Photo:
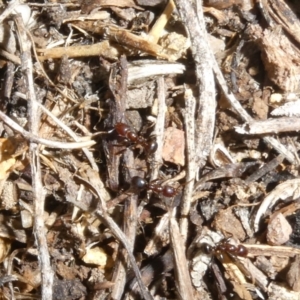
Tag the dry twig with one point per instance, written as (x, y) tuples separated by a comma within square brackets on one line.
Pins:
[(184, 284), (193, 18), (36, 139), (191, 164), (37, 187), (270, 126)]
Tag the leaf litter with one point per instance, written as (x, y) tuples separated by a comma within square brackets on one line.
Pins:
[(149, 150)]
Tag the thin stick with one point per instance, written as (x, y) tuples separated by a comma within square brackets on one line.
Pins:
[(159, 127), (183, 278), (102, 214), (35, 139), (129, 229), (104, 49), (189, 113), (37, 188), (270, 126), (205, 114)]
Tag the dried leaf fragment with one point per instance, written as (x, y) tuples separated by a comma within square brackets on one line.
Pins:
[(174, 45), (9, 149), (219, 155)]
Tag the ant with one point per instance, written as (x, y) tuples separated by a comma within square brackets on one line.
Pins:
[(225, 246), (131, 137), (138, 183)]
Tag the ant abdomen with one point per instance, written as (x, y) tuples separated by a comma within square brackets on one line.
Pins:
[(151, 146), (122, 129), (138, 183)]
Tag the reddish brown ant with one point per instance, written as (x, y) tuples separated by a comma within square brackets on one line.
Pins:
[(225, 246), (131, 137), (140, 184)]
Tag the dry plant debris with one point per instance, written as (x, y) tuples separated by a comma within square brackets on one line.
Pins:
[(150, 149)]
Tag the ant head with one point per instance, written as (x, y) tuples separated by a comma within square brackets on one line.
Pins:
[(207, 249), (220, 255)]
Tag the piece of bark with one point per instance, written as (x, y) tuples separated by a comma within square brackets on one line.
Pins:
[(280, 57), (266, 266), (283, 14), (293, 275), (227, 223)]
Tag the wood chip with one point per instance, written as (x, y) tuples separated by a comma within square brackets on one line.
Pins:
[(174, 145)]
